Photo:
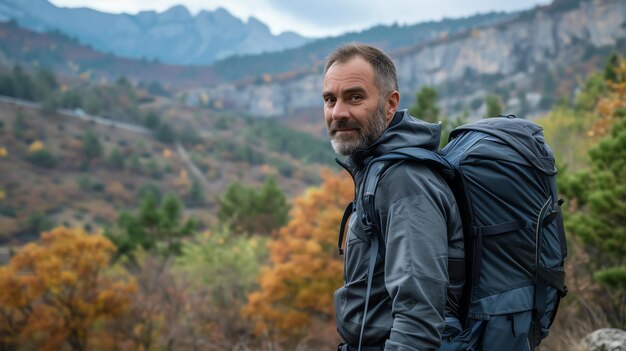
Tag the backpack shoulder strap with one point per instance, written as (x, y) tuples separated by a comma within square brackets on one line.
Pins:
[(366, 210), (365, 206)]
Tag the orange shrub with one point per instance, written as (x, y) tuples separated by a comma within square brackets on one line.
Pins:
[(296, 288)]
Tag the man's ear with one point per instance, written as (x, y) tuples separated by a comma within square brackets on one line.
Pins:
[(391, 105)]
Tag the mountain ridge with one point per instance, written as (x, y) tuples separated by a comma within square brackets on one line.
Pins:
[(173, 36)]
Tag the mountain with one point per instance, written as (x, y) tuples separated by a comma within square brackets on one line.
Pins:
[(69, 58), (529, 61), (173, 36)]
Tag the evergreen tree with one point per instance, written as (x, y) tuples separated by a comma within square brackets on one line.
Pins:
[(91, 145), (152, 120), (588, 97), (6, 85), (23, 85), (43, 159), (274, 208), (46, 84), (165, 133), (156, 229), (116, 159), (92, 104), (246, 210), (610, 68), (601, 223), (494, 107), (524, 107), (196, 194), (38, 222), (425, 106), (71, 99)]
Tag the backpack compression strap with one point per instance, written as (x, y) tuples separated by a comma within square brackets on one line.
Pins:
[(546, 276)]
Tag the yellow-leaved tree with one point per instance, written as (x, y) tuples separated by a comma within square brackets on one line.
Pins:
[(612, 105), (296, 287), (54, 293)]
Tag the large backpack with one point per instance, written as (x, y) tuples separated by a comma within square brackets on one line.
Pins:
[(503, 176)]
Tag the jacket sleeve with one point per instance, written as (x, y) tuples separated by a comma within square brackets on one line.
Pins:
[(413, 211)]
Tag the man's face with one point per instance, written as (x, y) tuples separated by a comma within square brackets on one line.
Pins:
[(353, 109)]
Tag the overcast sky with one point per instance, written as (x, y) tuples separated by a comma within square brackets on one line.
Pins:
[(317, 18)]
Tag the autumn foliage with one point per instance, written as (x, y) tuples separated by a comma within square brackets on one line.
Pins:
[(54, 293), (613, 101), (296, 288)]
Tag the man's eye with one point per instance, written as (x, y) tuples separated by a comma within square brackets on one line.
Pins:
[(329, 100), (356, 97)]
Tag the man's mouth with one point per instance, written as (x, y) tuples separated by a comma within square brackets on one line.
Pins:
[(345, 130), (340, 131)]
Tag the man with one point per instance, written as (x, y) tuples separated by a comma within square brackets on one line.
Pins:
[(411, 293)]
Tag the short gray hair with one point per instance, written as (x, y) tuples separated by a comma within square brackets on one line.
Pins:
[(385, 76)]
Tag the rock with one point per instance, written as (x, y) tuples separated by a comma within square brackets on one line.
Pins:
[(606, 339)]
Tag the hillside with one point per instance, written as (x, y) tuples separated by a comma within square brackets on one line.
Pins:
[(65, 167)]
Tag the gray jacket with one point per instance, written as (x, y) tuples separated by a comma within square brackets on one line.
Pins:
[(411, 292)]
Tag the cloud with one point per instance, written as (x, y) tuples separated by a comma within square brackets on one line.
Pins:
[(321, 17), (326, 13), (330, 17)]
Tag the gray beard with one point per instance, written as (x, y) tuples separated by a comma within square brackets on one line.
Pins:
[(346, 145)]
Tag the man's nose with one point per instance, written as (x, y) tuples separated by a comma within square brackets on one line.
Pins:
[(340, 110)]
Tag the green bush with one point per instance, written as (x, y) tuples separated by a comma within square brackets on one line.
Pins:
[(248, 210), (98, 187), (39, 222), (220, 259), (84, 182), (91, 145), (43, 159), (116, 159), (152, 120), (165, 133)]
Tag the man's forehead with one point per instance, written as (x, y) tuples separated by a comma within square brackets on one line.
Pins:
[(353, 72), (354, 63)]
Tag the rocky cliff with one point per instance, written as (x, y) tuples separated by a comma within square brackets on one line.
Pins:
[(515, 55)]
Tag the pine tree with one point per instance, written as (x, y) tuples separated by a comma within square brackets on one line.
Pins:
[(91, 145), (156, 229), (425, 106), (247, 210), (116, 159), (611, 68), (494, 107), (600, 192), (196, 194)]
